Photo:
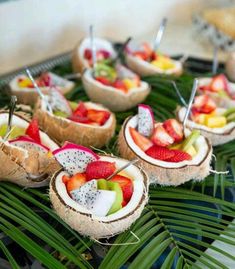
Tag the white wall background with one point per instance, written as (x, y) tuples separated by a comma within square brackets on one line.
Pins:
[(33, 30)]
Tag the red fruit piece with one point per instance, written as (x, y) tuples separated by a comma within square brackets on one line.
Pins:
[(174, 129), (120, 85), (87, 54), (80, 119), (179, 156), (141, 54), (105, 54), (44, 80), (204, 104), (104, 81), (160, 153), (33, 131), (219, 83), (75, 182), (160, 136), (98, 116), (126, 185), (141, 141), (99, 169), (65, 179), (81, 110)]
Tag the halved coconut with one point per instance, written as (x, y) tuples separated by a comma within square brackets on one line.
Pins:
[(79, 62), (217, 136), (81, 220), (144, 68), (29, 96), (111, 97), (161, 172), (221, 101), (23, 166), (62, 129)]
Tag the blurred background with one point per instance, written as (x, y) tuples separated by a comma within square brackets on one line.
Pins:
[(34, 30)]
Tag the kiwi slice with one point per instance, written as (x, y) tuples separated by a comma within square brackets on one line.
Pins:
[(188, 142), (229, 111), (73, 105), (60, 114), (102, 184), (16, 131), (108, 72), (231, 117)]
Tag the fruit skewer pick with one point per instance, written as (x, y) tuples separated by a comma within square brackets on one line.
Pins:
[(179, 94), (42, 96), (159, 35), (122, 168), (93, 49), (194, 89), (215, 61), (11, 112)]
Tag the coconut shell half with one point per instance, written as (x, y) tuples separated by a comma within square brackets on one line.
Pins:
[(114, 99), (29, 96), (79, 62), (62, 129), (161, 172), (24, 166), (221, 101), (144, 68), (217, 136), (100, 227)]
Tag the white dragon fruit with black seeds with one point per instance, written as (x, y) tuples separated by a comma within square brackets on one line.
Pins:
[(74, 158), (27, 143), (145, 120)]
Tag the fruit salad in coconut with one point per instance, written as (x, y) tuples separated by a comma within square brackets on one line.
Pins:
[(219, 89), (84, 123), (214, 122), (26, 154), (115, 86), (143, 60), (82, 54), (169, 154), (23, 88), (93, 201)]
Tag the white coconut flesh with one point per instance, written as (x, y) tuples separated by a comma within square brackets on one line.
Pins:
[(228, 128), (90, 79), (22, 123), (200, 144), (60, 82), (176, 69), (139, 189), (89, 105), (100, 44)]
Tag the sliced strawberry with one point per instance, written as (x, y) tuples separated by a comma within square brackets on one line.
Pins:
[(126, 184), (87, 54), (205, 88), (119, 84), (44, 80), (141, 54), (104, 81), (160, 136), (160, 153), (98, 116), (105, 54), (81, 110), (179, 156), (174, 129), (219, 83), (99, 169), (80, 119), (33, 131), (204, 104), (141, 141), (75, 182), (124, 203)]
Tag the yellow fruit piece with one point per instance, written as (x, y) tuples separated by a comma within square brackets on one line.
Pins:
[(216, 122), (49, 154), (201, 119), (191, 151), (25, 83), (129, 83), (163, 62), (175, 146)]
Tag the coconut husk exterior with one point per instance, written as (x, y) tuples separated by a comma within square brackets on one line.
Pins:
[(112, 98), (166, 175), (66, 130), (88, 226), (214, 138), (145, 70)]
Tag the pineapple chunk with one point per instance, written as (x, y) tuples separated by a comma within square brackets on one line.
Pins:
[(163, 62), (129, 83), (216, 122)]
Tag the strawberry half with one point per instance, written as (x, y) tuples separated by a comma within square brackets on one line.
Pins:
[(99, 169), (33, 131), (81, 110), (174, 129), (141, 141), (104, 81), (204, 104), (161, 137), (160, 153), (80, 119), (98, 116), (179, 156), (126, 185), (120, 85), (75, 182), (87, 54), (219, 83)]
